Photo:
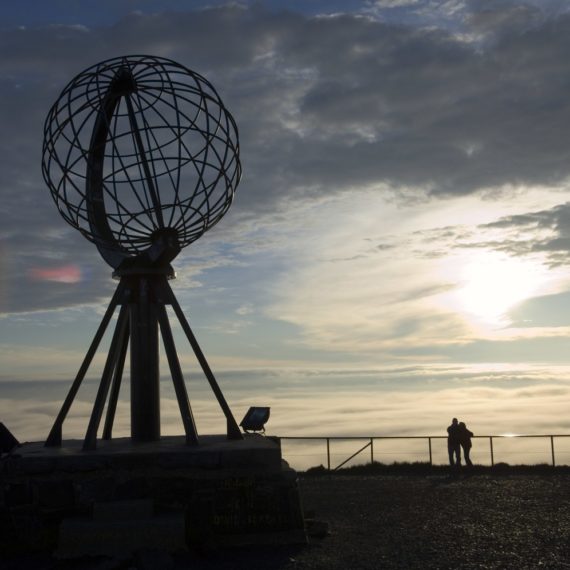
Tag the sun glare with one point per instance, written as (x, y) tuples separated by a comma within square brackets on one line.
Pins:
[(492, 283)]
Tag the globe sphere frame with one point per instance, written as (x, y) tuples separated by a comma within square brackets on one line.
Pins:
[(136, 147)]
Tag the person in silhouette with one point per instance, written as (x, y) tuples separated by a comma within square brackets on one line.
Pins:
[(465, 440), (454, 443)]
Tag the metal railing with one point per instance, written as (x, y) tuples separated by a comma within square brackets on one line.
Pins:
[(428, 438)]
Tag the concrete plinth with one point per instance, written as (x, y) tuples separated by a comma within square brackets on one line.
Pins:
[(170, 452), (220, 493)]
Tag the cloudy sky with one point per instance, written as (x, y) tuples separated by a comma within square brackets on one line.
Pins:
[(398, 250)]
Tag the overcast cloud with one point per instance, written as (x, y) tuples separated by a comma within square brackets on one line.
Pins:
[(324, 105), (404, 197)]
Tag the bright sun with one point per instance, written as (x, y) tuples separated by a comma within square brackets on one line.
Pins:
[(492, 283)]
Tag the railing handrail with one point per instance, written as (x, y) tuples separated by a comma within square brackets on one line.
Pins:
[(371, 438), (509, 436)]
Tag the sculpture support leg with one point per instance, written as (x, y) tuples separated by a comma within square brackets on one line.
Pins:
[(177, 378), (232, 427), (90, 441), (116, 386), (54, 437), (143, 299), (145, 398)]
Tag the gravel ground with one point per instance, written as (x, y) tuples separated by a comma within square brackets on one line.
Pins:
[(408, 521), (440, 522)]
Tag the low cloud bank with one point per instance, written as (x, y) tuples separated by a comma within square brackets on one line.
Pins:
[(402, 401)]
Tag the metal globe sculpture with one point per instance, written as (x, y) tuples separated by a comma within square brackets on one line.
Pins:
[(138, 149), (141, 156)]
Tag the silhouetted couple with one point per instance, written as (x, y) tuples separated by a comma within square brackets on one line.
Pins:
[(458, 437)]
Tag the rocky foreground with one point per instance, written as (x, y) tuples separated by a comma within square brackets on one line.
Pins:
[(480, 521), (383, 521)]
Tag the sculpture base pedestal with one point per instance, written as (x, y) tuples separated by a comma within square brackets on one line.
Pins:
[(163, 495)]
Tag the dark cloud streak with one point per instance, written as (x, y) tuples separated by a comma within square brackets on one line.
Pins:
[(554, 221)]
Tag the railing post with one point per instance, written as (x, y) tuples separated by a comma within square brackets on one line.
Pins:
[(430, 454), (328, 454), (492, 455), (552, 449), (371, 451)]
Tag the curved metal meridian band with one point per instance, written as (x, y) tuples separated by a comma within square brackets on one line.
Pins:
[(113, 254)]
